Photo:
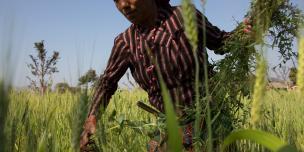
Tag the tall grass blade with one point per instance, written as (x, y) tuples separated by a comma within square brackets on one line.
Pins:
[(259, 91), (268, 140), (78, 116), (42, 145), (174, 136), (4, 103), (191, 31)]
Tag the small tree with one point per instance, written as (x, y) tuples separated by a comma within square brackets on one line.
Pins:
[(89, 77), (293, 75), (41, 67), (62, 87)]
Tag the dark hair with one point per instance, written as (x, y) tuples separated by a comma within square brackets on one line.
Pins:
[(162, 3)]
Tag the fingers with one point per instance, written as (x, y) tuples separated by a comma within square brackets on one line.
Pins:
[(247, 30), (84, 141), (89, 129), (248, 27), (91, 124), (247, 21)]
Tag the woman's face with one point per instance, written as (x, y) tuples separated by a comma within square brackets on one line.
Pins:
[(136, 11)]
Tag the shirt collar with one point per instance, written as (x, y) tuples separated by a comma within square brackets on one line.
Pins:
[(162, 14)]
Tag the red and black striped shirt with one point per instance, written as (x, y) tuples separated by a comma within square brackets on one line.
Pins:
[(173, 53)]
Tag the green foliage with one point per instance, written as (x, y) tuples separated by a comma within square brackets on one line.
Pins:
[(77, 116), (285, 22), (273, 21), (268, 140), (62, 87)]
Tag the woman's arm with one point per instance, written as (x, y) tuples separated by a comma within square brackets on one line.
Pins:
[(107, 85), (214, 36)]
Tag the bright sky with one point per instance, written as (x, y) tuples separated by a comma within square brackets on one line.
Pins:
[(83, 31)]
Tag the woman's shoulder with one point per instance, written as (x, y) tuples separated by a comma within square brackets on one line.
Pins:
[(171, 11), (126, 34), (172, 18)]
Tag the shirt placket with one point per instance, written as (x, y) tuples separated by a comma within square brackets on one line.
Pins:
[(150, 69)]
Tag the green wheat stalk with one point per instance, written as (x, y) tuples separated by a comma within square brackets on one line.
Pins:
[(174, 137), (78, 116), (263, 10), (259, 91), (191, 30), (300, 73), (189, 17)]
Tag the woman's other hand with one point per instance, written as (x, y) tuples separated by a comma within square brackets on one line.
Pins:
[(247, 25), (89, 129)]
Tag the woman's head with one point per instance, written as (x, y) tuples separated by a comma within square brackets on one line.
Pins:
[(139, 11)]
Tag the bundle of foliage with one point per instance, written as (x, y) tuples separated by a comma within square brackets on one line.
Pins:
[(275, 24)]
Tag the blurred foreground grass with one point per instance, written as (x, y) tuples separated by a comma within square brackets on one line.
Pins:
[(46, 123)]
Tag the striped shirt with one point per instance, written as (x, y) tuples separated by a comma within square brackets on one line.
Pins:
[(173, 53)]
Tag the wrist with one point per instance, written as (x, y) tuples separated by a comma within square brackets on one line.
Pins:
[(91, 119), (90, 124)]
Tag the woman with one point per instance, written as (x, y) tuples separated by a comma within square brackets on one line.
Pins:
[(156, 32)]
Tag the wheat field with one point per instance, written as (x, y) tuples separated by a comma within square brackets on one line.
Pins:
[(52, 122)]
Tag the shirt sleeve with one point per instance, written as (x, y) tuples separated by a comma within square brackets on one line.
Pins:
[(214, 36), (107, 84)]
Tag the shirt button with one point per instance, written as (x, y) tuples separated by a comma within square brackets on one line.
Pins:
[(152, 37), (150, 82), (150, 69), (141, 56), (138, 47), (137, 38)]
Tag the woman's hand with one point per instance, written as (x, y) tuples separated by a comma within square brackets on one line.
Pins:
[(248, 25), (89, 129)]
